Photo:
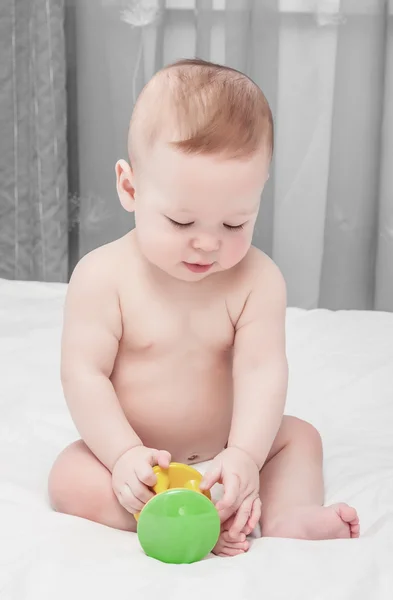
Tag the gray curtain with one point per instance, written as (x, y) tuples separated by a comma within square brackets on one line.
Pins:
[(33, 153), (326, 68)]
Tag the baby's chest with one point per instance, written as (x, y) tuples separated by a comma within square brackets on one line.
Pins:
[(165, 325)]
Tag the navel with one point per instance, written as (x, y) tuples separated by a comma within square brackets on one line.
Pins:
[(193, 457)]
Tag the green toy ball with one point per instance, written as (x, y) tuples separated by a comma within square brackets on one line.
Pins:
[(178, 526)]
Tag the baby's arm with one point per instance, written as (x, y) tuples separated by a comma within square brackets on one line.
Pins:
[(260, 375), (260, 371), (91, 334)]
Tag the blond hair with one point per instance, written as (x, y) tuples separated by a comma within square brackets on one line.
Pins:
[(200, 107)]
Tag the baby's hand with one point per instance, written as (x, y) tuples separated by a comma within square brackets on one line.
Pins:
[(239, 475), (133, 476)]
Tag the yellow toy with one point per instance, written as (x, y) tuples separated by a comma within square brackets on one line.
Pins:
[(177, 476), (179, 524)]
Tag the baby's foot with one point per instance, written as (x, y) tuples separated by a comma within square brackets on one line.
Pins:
[(316, 523), (226, 545)]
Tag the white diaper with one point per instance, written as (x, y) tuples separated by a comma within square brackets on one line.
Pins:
[(217, 492)]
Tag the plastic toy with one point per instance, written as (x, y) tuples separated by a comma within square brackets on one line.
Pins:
[(180, 524)]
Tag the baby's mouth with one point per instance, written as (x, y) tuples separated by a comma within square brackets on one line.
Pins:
[(197, 267)]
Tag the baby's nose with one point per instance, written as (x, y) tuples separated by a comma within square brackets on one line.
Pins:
[(206, 243)]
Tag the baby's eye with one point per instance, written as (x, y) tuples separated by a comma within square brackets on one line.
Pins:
[(234, 227), (180, 225)]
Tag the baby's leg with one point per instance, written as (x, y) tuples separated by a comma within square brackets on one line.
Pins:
[(292, 490), (80, 485)]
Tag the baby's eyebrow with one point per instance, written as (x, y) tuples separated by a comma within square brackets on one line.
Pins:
[(242, 213), (182, 211), (246, 213)]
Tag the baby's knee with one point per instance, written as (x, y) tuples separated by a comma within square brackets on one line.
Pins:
[(302, 432), (77, 486), (64, 484)]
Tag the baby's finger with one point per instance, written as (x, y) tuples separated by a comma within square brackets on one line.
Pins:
[(128, 500), (163, 459), (226, 525), (145, 474), (210, 478), (231, 494), (255, 515), (225, 514), (242, 517), (141, 491), (159, 457)]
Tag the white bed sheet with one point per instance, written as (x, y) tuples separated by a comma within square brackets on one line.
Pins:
[(341, 367)]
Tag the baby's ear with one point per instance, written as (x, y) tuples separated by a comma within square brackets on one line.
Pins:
[(124, 185)]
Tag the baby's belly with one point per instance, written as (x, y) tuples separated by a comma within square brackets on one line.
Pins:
[(184, 408)]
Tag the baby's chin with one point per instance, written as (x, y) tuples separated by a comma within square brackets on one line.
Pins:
[(181, 272), (184, 274)]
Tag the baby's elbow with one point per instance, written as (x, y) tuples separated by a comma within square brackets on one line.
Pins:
[(276, 375), (280, 369), (74, 374), (284, 370), (65, 373), (68, 378)]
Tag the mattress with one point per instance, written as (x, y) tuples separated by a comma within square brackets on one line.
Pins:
[(341, 380)]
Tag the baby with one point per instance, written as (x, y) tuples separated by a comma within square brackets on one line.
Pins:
[(174, 336)]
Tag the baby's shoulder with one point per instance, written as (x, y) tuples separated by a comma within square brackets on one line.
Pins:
[(104, 262), (99, 272), (258, 270), (256, 277)]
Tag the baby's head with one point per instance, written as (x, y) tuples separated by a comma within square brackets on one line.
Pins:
[(200, 145)]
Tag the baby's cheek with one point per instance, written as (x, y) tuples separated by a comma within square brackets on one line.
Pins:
[(150, 240), (235, 250), (164, 249)]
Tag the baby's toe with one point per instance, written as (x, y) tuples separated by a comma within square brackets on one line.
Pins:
[(230, 540), (349, 515), (226, 546), (346, 513), (230, 551), (243, 546), (355, 528)]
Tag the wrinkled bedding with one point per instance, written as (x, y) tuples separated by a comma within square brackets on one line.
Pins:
[(341, 379)]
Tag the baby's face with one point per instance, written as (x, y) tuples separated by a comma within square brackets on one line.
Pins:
[(195, 214)]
